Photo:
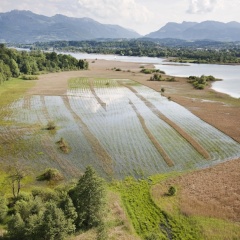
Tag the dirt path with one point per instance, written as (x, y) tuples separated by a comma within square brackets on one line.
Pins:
[(217, 109)]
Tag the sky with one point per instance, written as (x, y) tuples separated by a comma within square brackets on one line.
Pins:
[(143, 16)]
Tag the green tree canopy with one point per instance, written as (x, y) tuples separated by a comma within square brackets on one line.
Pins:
[(89, 199)]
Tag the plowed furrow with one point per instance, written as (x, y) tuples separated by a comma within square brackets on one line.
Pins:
[(166, 158), (185, 135), (103, 104), (106, 160)]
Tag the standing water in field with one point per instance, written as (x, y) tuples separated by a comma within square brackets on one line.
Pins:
[(119, 127)]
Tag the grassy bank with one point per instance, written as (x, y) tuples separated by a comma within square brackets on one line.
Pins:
[(11, 91), (157, 215)]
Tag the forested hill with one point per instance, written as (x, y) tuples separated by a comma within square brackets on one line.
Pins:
[(211, 30), (26, 27)]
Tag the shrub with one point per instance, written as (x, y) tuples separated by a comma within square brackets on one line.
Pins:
[(171, 79), (162, 90), (51, 125), (171, 191), (156, 77), (147, 71), (24, 77), (50, 174), (63, 145)]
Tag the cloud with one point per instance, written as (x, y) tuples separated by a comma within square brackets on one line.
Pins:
[(202, 6), (115, 9)]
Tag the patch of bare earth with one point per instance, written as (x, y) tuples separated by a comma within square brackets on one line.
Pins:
[(211, 192)]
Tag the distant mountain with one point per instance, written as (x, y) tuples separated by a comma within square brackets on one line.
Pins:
[(27, 27), (211, 30)]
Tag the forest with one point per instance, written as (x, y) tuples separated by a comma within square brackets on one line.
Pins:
[(179, 50), (14, 63), (45, 213)]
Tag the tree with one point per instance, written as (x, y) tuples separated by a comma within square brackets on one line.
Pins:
[(3, 208), (89, 199), (16, 173), (16, 227), (35, 219), (82, 64), (5, 72), (54, 225), (25, 66), (14, 68)]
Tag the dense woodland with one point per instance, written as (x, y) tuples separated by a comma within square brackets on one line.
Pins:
[(14, 63), (51, 214), (180, 50)]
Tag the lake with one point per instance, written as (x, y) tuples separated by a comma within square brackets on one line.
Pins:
[(230, 74)]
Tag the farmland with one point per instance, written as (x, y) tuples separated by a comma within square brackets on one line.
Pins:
[(119, 126), (128, 130)]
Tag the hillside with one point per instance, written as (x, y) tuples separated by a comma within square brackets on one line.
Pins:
[(211, 30), (26, 27)]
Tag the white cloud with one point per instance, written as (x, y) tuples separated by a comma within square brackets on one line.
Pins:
[(202, 6), (116, 10)]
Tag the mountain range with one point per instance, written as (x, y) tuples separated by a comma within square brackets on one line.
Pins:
[(27, 27), (210, 30)]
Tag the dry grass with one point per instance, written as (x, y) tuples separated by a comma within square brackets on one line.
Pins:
[(89, 235), (117, 224), (212, 192), (120, 227)]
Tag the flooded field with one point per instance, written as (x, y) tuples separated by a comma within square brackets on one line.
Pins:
[(118, 126)]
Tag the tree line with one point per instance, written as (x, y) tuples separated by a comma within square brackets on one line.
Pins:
[(14, 63), (197, 52), (54, 214)]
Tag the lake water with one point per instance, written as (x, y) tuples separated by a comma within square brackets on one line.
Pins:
[(229, 74)]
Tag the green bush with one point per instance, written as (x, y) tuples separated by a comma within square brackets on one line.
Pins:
[(172, 191), (24, 77)]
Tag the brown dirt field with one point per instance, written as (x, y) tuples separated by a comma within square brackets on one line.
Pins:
[(217, 109), (211, 192)]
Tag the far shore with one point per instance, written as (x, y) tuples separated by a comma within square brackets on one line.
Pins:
[(215, 108)]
